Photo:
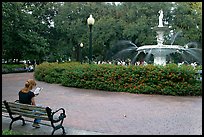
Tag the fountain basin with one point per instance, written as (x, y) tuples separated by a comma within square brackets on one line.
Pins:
[(160, 51)]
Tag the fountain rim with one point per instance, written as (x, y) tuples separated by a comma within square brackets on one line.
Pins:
[(160, 47)]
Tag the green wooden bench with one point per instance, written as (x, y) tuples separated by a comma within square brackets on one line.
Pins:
[(17, 111)]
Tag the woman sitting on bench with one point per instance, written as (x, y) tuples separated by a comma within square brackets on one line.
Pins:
[(26, 96)]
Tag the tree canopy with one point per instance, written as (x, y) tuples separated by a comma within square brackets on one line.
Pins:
[(53, 30)]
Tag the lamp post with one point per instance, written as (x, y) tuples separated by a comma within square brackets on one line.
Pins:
[(81, 46), (73, 52), (90, 22)]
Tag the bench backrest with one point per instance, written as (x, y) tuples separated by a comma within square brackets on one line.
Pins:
[(26, 110)]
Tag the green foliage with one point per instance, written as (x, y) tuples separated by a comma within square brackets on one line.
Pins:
[(27, 32), (150, 79), (50, 72), (13, 68), (24, 34), (187, 18)]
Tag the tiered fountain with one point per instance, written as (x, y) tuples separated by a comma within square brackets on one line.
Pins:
[(160, 51)]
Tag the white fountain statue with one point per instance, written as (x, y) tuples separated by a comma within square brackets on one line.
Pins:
[(161, 18)]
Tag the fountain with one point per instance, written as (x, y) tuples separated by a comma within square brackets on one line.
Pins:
[(161, 51)]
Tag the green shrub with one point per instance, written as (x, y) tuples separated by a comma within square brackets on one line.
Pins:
[(12, 68), (149, 79)]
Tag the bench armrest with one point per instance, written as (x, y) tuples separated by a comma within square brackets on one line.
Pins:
[(51, 114)]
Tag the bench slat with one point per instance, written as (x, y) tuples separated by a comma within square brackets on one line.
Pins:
[(43, 110), (31, 115), (29, 111), (23, 105), (26, 106), (4, 110)]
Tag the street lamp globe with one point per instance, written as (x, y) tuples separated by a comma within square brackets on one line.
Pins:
[(81, 45), (90, 20)]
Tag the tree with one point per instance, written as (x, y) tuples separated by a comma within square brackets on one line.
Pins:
[(52, 30), (24, 31), (187, 19)]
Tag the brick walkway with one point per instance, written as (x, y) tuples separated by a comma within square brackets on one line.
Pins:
[(115, 113)]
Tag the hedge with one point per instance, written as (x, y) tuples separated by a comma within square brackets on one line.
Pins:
[(13, 68), (150, 79)]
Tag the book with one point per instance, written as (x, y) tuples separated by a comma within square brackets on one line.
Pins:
[(37, 91)]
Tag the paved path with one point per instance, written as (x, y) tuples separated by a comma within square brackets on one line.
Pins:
[(112, 112)]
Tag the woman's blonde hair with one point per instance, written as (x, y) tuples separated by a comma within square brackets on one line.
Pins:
[(30, 83)]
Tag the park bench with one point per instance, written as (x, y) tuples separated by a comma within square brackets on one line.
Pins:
[(17, 110)]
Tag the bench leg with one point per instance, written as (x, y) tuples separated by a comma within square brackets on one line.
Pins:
[(53, 131), (15, 119), (10, 126), (63, 131), (58, 127), (23, 121)]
